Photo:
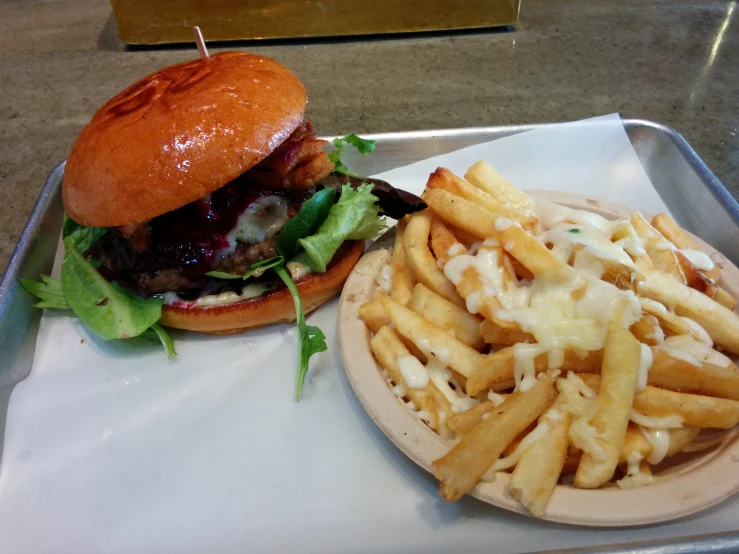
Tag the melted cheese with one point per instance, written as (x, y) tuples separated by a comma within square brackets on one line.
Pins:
[(496, 399), (415, 375), (298, 270), (261, 220), (698, 259), (385, 278), (687, 348), (441, 377), (656, 422), (645, 363), (524, 370), (213, 300), (634, 476), (659, 440)]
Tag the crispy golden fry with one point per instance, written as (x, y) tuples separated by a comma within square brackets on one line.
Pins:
[(621, 356), (618, 274), (422, 262), (461, 468), (526, 248), (450, 317), (694, 277), (634, 441), (498, 373), (464, 237), (444, 179), (428, 336), (720, 323), (538, 471), (658, 248), (724, 298), (387, 348), (505, 336), (403, 281), (484, 177), (676, 374), (671, 323), (374, 315), (647, 330), (519, 270), (695, 410), (677, 236), (464, 422), (443, 242)]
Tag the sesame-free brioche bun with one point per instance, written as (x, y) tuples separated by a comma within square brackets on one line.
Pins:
[(272, 307), (178, 135)]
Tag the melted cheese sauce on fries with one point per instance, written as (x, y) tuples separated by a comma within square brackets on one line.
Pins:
[(529, 332)]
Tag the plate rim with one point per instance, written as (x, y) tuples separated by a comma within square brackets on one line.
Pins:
[(612, 507)]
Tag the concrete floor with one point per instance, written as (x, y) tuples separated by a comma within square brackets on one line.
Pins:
[(667, 60)]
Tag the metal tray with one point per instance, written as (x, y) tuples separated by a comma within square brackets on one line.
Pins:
[(690, 190)]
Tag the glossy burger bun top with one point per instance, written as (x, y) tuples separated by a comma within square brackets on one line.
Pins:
[(178, 135)]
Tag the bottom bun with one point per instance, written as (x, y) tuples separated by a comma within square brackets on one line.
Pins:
[(273, 307)]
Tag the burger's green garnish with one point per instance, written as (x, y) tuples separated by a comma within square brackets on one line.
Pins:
[(310, 217), (355, 216), (574, 230), (364, 146), (105, 308)]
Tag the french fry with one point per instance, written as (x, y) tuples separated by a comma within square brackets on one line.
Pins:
[(621, 276), (537, 472), (695, 410), (634, 441), (443, 242), (677, 374), (461, 468), (724, 298), (647, 330), (464, 422), (694, 277), (720, 323), (464, 237), (658, 248), (421, 261), (672, 323), (450, 317), (677, 236), (621, 356), (387, 348), (501, 365), (506, 336), (403, 281), (374, 315), (444, 179), (484, 177), (523, 246), (428, 336)]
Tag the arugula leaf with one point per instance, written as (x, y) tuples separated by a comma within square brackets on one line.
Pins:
[(259, 266), (310, 217), (354, 217), (105, 308), (311, 339), (81, 237), (162, 336), (364, 146), (48, 290)]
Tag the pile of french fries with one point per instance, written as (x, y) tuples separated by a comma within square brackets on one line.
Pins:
[(550, 343)]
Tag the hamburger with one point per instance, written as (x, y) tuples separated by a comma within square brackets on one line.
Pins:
[(200, 198)]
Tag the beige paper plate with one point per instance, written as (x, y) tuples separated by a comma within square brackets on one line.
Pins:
[(683, 486)]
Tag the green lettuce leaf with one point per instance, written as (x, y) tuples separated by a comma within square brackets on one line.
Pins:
[(310, 217), (82, 238), (311, 339), (105, 308), (354, 217), (48, 290), (364, 146)]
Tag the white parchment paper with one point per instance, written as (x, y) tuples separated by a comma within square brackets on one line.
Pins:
[(110, 447)]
